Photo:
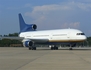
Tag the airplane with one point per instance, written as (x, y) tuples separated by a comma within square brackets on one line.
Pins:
[(31, 36)]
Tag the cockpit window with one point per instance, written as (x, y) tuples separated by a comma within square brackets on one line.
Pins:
[(80, 34)]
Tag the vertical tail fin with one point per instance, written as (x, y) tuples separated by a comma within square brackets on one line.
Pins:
[(26, 27), (21, 22)]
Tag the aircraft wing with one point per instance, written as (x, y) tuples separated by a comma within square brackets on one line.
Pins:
[(26, 39), (22, 38), (36, 40), (39, 40)]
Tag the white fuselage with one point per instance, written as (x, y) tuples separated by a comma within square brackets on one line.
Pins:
[(58, 35)]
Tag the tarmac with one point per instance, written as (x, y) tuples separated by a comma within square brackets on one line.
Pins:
[(44, 59)]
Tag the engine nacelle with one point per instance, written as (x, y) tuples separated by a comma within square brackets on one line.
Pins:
[(27, 43), (34, 27), (31, 27)]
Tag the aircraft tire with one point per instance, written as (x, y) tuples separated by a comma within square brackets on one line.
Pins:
[(52, 48), (56, 48), (34, 48), (29, 48), (70, 48)]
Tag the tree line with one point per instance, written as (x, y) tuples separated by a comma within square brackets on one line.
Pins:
[(10, 35), (89, 41), (8, 42)]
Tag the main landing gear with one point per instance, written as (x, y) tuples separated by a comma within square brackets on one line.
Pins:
[(70, 48), (54, 48), (32, 48)]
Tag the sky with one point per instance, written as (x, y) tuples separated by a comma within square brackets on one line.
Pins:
[(46, 14)]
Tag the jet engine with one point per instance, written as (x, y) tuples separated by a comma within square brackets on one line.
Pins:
[(33, 26), (27, 43)]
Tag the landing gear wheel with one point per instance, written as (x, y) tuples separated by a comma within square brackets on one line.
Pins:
[(54, 48), (70, 48), (29, 48), (32, 48)]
